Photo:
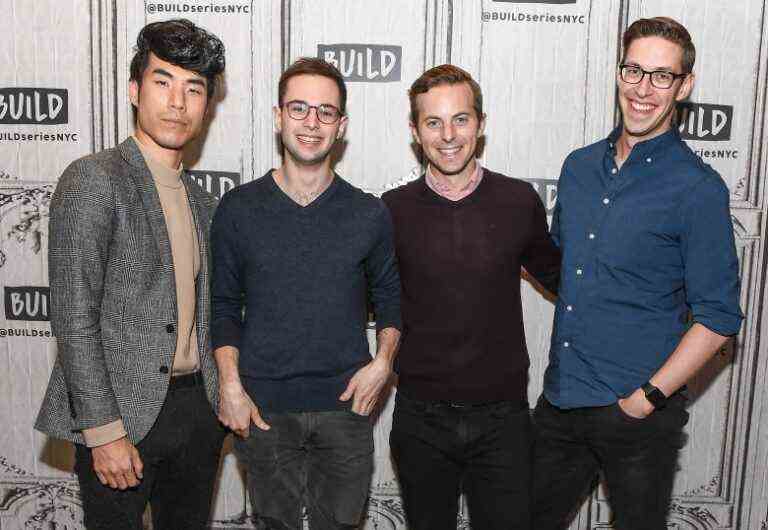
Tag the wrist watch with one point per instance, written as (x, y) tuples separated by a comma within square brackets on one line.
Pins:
[(655, 396)]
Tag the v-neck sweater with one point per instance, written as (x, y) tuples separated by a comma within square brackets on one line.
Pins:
[(459, 261), (303, 274)]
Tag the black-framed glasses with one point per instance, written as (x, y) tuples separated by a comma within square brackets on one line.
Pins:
[(299, 110), (633, 74)]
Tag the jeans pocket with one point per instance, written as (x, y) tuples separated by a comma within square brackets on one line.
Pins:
[(626, 417)]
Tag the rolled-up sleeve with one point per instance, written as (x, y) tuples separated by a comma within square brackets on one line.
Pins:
[(382, 274), (226, 283), (709, 253)]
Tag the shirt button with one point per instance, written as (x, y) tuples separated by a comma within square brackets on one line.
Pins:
[(566, 344), (163, 369), (170, 328), (569, 308), (579, 272), (591, 236), (614, 171), (648, 160), (606, 200)]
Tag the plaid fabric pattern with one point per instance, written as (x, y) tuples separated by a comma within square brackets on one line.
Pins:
[(113, 296)]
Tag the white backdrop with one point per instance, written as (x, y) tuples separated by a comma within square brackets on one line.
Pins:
[(547, 72)]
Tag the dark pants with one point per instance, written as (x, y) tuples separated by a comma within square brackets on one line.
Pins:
[(441, 450), (319, 460), (637, 457), (181, 458)]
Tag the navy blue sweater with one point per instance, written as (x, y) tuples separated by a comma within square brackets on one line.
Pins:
[(289, 289)]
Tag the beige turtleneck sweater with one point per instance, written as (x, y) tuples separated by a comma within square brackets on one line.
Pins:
[(186, 263)]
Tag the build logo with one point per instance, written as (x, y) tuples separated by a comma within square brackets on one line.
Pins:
[(704, 122), (216, 183), (34, 106), (27, 303), (367, 63)]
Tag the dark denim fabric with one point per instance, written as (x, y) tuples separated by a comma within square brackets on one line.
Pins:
[(319, 460), (181, 458), (441, 450), (637, 457)]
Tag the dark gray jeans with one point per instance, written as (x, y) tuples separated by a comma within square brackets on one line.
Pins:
[(319, 460)]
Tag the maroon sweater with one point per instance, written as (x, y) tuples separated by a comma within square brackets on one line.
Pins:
[(463, 337)]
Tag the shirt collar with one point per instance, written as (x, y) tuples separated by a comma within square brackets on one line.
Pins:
[(443, 187), (647, 148)]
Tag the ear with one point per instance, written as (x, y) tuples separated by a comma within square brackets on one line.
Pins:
[(686, 87), (481, 127), (133, 93), (278, 116), (343, 122), (414, 132)]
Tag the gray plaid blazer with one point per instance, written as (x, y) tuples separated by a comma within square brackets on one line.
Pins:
[(113, 296)]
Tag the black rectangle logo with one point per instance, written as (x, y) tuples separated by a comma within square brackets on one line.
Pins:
[(369, 63), (34, 106), (27, 303), (216, 183), (547, 190), (701, 121)]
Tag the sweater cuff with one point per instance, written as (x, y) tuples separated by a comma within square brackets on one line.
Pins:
[(389, 319), (104, 434), (226, 333)]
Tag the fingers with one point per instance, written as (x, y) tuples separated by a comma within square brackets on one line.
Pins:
[(257, 420), (137, 464), (350, 390), (117, 475), (118, 464)]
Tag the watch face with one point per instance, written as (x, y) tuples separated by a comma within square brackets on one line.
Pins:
[(654, 395)]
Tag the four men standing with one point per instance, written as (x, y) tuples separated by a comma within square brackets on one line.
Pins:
[(297, 254)]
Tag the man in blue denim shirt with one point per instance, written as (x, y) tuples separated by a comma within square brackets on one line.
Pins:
[(646, 237)]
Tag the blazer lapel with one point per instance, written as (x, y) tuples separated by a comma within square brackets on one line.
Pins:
[(201, 220), (147, 191)]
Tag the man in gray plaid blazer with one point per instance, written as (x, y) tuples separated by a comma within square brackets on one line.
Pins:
[(134, 385)]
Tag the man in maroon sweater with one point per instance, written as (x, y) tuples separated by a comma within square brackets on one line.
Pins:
[(462, 233)]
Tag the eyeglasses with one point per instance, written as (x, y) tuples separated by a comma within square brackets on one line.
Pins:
[(299, 110), (633, 75)]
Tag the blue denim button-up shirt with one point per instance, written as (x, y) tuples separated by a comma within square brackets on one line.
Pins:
[(642, 247)]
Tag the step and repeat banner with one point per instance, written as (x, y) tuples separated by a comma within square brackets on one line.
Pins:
[(547, 70)]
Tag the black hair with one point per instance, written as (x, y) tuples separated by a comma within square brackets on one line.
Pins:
[(181, 43)]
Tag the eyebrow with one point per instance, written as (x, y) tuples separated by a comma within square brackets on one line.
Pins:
[(654, 69), (192, 80)]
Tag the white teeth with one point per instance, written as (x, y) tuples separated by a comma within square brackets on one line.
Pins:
[(641, 107), (449, 150), (308, 139)]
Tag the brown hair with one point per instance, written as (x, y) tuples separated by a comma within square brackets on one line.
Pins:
[(312, 66), (445, 74), (666, 28)]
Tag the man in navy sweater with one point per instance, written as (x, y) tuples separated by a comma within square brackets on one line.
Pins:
[(462, 233), (296, 255)]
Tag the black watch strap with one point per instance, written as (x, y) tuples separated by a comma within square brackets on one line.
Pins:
[(655, 396)]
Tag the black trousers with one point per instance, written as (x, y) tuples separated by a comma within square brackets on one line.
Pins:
[(638, 458), (319, 460), (441, 450), (181, 458)]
